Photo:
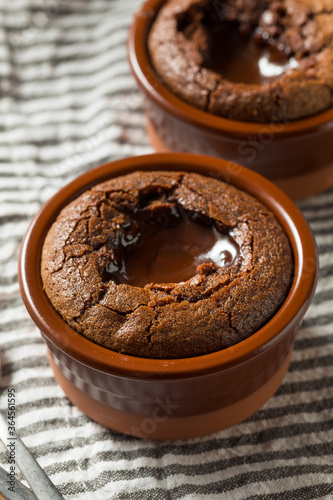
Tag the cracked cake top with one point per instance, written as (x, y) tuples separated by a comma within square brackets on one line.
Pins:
[(260, 61), (103, 252)]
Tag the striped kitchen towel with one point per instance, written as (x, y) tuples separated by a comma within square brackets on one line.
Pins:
[(68, 103)]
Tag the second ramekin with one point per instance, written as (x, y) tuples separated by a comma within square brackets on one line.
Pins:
[(297, 156)]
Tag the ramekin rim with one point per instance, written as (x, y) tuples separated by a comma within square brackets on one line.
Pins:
[(77, 346)]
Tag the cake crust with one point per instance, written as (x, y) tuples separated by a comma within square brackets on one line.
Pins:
[(180, 42), (216, 308)]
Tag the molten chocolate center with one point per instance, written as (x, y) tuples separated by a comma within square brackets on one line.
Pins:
[(243, 60), (172, 255)]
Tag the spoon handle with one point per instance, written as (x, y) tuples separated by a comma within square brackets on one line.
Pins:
[(21, 492), (39, 482)]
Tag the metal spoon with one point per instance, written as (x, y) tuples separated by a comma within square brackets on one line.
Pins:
[(40, 484)]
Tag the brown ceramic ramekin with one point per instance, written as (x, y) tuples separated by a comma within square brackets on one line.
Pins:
[(178, 398), (297, 156)]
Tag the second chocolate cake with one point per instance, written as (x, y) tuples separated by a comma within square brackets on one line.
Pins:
[(260, 61), (166, 264)]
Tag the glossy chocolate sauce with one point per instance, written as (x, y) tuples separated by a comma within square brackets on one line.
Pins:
[(243, 60), (172, 255)]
